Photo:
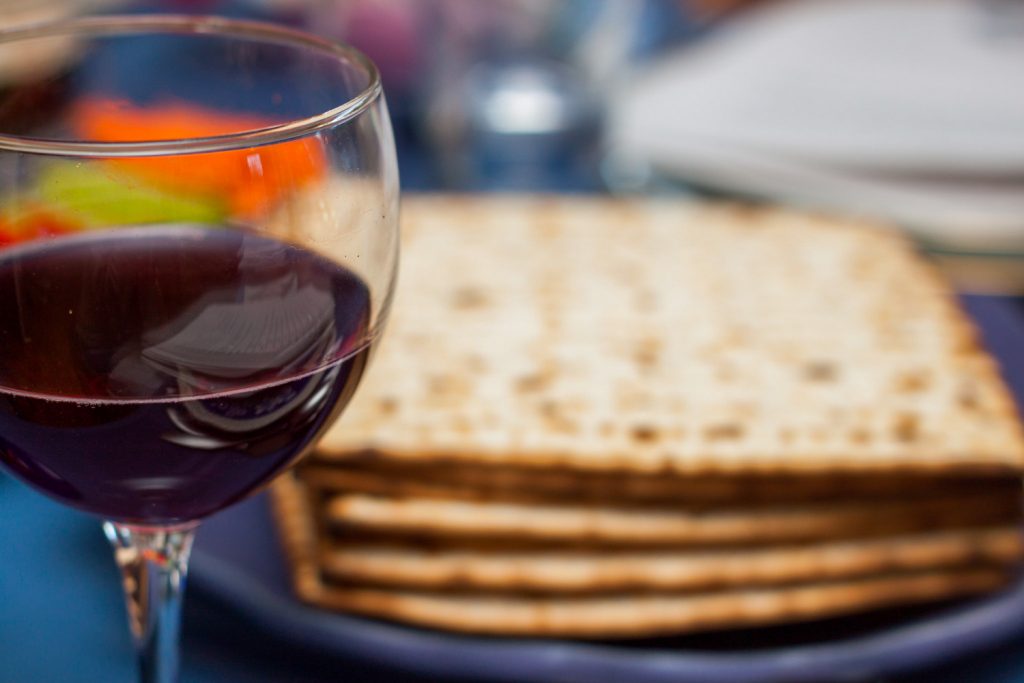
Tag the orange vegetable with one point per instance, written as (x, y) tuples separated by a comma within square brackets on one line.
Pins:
[(250, 180)]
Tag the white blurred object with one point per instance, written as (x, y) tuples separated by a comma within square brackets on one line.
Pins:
[(909, 110)]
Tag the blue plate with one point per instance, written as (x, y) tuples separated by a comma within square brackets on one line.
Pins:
[(238, 561)]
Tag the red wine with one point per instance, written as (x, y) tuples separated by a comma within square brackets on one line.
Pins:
[(155, 375)]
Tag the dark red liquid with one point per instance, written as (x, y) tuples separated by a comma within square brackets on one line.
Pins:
[(156, 375)]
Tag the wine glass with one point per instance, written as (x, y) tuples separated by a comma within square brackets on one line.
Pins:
[(198, 219)]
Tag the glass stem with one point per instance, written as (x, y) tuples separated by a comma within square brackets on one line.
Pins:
[(154, 564)]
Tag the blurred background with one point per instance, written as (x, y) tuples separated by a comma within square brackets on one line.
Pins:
[(904, 110), (907, 111)]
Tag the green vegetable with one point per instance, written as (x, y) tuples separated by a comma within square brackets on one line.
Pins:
[(98, 195)]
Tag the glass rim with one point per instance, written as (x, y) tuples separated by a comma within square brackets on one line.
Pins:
[(204, 25)]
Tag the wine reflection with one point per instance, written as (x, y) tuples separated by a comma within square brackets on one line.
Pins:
[(256, 422)]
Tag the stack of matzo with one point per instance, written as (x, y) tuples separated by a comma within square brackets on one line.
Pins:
[(600, 418)]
